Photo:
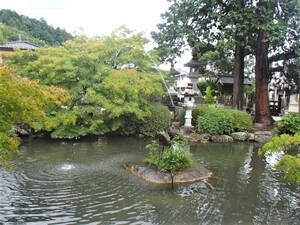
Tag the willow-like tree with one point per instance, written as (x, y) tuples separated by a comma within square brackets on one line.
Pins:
[(262, 28), (110, 80)]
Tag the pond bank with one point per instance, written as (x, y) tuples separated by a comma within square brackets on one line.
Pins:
[(260, 134)]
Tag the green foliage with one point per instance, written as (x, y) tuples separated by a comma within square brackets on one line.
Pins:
[(250, 93), (290, 122), (197, 111), (238, 120), (288, 163), (24, 102), (241, 120), (203, 84), (13, 34), (37, 31), (233, 25), (210, 97), (216, 121), (175, 158), (291, 167), (280, 143), (110, 80), (158, 120)]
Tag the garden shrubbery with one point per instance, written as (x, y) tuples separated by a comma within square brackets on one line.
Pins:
[(241, 120), (216, 121), (159, 120), (223, 121), (210, 119), (290, 123)]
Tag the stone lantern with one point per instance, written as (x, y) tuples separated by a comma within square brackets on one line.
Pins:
[(194, 75), (188, 104), (191, 92)]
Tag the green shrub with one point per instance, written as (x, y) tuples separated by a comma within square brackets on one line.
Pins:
[(216, 121), (241, 120), (203, 84), (290, 164), (209, 97), (159, 120), (290, 123), (175, 158), (197, 111)]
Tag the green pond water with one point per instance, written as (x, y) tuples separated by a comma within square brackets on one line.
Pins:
[(83, 182)]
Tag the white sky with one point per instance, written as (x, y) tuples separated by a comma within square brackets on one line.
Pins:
[(95, 17)]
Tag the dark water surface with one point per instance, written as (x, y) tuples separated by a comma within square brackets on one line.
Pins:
[(83, 182)]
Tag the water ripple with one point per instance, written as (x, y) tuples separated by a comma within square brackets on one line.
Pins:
[(84, 183)]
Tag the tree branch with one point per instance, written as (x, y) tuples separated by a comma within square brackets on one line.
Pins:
[(283, 56)]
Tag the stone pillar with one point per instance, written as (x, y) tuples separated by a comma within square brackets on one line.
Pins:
[(188, 114), (189, 104)]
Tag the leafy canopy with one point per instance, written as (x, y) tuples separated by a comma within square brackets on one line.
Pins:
[(110, 80), (24, 102)]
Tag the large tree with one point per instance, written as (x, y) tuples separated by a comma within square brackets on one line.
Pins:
[(110, 80), (262, 28), (277, 39)]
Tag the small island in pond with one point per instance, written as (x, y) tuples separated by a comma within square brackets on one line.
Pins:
[(193, 174), (171, 165)]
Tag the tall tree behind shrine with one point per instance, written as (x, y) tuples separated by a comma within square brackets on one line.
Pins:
[(266, 29)]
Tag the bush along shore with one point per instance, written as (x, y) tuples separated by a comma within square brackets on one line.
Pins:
[(222, 125)]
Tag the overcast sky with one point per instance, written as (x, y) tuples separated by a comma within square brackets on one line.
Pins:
[(95, 17)]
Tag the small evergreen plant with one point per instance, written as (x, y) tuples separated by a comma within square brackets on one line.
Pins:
[(209, 97)]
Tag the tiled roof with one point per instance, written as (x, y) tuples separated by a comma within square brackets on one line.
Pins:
[(194, 63), (23, 45), (229, 80)]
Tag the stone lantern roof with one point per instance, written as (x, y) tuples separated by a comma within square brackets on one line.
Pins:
[(193, 63), (194, 74)]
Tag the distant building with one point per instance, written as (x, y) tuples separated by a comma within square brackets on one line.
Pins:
[(10, 46), (227, 82), (226, 90)]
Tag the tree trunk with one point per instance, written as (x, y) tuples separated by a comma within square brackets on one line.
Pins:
[(238, 78), (262, 112), (299, 103)]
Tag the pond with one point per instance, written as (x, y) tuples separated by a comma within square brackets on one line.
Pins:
[(83, 182)]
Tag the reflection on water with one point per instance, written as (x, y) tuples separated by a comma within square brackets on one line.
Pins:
[(67, 166), (83, 182)]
